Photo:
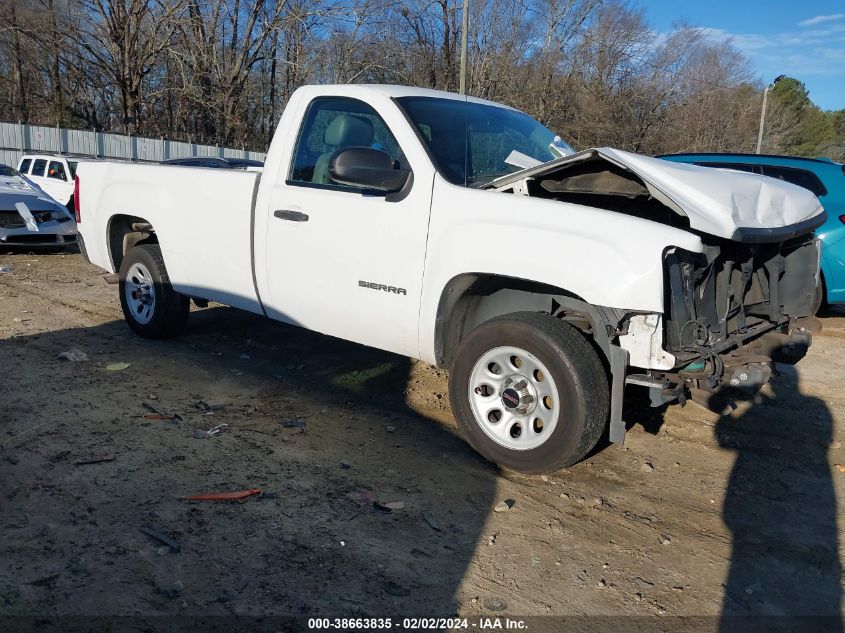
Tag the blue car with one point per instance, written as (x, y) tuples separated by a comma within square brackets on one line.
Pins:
[(823, 177)]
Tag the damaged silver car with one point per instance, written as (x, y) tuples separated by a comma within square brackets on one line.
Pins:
[(29, 217)]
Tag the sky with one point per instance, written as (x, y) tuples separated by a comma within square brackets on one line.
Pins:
[(801, 39)]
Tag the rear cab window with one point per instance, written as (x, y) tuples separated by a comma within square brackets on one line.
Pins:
[(24, 167), (39, 166)]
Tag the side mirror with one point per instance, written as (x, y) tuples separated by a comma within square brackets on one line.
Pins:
[(367, 168)]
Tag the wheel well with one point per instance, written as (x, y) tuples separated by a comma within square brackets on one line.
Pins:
[(126, 231), (471, 299)]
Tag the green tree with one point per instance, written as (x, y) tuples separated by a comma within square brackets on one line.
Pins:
[(795, 124)]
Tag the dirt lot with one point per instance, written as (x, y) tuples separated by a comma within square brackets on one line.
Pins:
[(696, 515)]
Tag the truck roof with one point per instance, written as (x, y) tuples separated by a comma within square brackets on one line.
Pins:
[(396, 91), (54, 155)]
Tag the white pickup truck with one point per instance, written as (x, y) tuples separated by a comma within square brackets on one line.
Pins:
[(464, 233)]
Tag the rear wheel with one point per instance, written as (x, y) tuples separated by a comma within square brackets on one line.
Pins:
[(529, 392), (150, 305)]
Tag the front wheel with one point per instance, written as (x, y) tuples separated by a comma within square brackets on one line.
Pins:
[(150, 305), (529, 392)]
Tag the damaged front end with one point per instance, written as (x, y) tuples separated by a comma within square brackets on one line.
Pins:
[(732, 311), (745, 301), (42, 227), (29, 217)]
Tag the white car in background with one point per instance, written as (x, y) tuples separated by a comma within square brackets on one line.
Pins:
[(29, 217), (54, 174)]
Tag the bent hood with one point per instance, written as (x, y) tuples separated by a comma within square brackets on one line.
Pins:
[(730, 204)]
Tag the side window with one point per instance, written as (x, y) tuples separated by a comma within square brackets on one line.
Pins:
[(24, 168), (754, 169), (39, 166), (332, 124), (800, 177), (57, 171)]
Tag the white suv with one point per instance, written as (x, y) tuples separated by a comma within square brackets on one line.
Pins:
[(54, 174)]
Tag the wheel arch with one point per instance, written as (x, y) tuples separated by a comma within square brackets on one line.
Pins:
[(125, 231), (470, 299)]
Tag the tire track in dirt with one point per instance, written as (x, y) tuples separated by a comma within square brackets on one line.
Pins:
[(546, 555)]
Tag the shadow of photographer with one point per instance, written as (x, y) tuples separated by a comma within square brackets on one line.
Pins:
[(780, 507)]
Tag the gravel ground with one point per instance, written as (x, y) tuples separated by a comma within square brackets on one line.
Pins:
[(696, 515)]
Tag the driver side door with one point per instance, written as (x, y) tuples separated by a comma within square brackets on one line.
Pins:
[(340, 260)]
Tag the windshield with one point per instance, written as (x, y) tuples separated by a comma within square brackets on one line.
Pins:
[(473, 143), (8, 172)]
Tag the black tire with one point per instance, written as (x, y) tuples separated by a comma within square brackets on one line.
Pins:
[(170, 309), (578, 373)]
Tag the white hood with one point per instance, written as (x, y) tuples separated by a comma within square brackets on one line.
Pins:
[(722, 202)]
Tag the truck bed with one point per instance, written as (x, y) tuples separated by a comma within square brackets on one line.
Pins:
[(203, 221)]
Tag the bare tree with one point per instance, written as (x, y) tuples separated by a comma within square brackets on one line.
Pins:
[(220, 71), (18, 94), (124, 40)]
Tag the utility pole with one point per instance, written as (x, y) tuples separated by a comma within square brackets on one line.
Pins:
[(464, 30), (763, 112), (762, 120)]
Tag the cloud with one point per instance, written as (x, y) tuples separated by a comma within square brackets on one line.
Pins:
[(832, 35), (821, 18), (745, 41)]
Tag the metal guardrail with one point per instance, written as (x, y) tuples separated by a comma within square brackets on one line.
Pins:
[(17, 139)]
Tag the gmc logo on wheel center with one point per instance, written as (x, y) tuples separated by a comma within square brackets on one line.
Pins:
[(376, 286)]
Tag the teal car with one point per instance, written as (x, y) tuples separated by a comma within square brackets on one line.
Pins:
[(823, 177)]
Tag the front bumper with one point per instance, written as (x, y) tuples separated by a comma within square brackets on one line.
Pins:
[(39, 240), (732, 312), (52, 228)]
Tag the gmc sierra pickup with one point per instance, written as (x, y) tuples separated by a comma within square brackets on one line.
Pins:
[(464, 233)]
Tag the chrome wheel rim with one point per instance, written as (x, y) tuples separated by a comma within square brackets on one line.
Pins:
[(139, 293), (514, 398)]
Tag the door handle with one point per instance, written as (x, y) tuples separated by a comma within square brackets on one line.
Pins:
[(293, 216)]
